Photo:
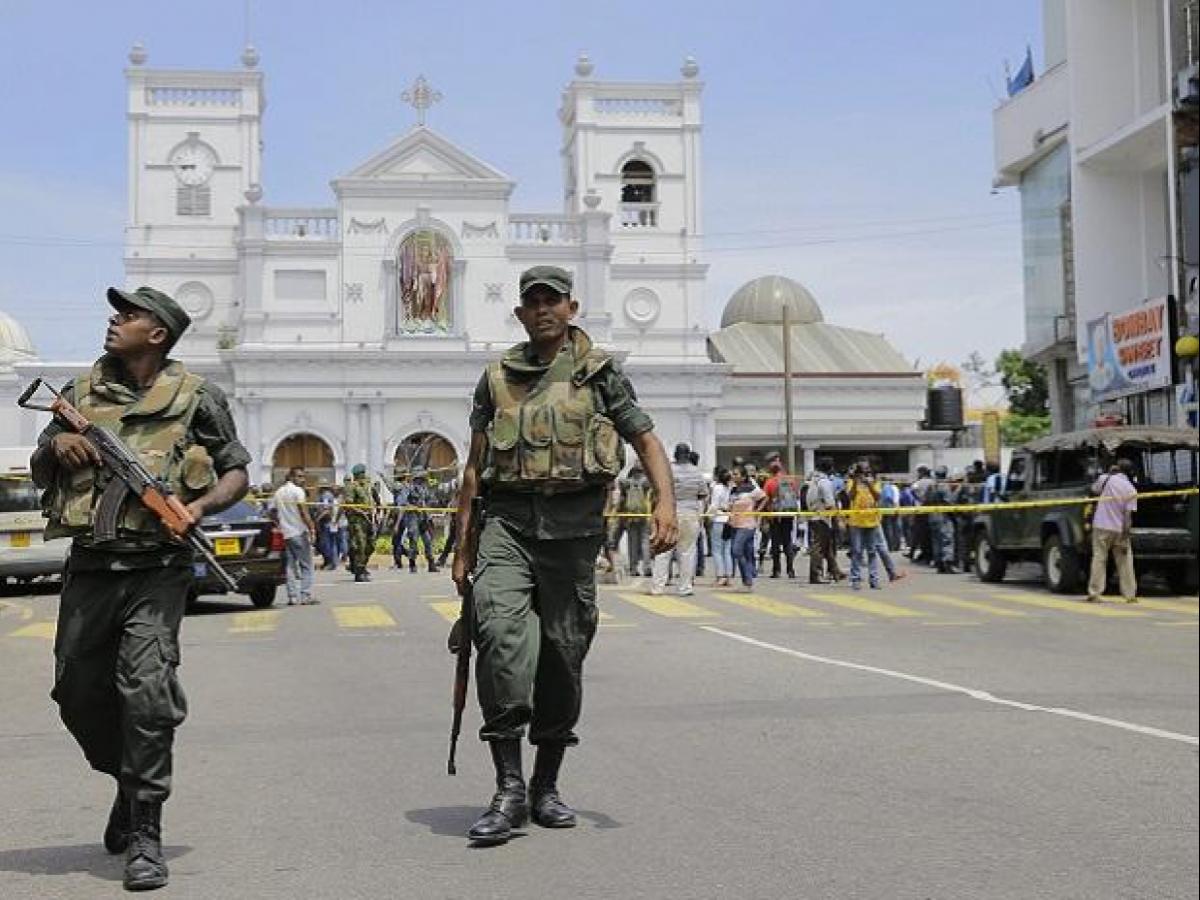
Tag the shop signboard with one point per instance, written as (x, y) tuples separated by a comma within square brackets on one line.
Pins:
[(1130, 352)]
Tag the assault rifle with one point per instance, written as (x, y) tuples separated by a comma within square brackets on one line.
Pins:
[(461, 633), (130, 477)]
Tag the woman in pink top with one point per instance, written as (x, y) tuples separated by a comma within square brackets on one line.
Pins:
[(747, 498)]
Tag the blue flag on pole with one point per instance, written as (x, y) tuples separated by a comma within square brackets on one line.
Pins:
[(1024, 76)]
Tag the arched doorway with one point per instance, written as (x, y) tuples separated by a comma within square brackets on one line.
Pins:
[(305, 450), (430, 451)]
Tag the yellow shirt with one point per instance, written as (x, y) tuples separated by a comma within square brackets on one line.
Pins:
[(864, 502)]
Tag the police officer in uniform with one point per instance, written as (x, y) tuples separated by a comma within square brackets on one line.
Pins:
[(360, 513), (941, 525), (547, 427), (117, 645)]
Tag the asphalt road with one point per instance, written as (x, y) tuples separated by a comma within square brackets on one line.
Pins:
[(938, 739)]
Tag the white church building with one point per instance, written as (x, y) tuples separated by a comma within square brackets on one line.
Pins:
[(354, 332)]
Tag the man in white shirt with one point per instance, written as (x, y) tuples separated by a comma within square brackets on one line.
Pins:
[(291, 513)]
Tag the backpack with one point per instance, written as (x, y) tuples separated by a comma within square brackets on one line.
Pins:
[(634, 498), (786, 498)]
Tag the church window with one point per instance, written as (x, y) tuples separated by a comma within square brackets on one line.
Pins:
[(424, 272), (637, 182), (193, 200), (639, 207)]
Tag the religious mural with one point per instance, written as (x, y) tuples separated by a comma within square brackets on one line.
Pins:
[(423, 268)]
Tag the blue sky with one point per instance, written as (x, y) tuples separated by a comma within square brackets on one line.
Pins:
[(846, 145)]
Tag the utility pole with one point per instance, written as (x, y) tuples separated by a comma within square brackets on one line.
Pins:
[(787, 389)]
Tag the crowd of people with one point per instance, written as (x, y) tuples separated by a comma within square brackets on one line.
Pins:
[(739, 516), (722, 525), (342, 522)]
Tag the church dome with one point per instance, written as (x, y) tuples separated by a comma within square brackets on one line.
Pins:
[(761, 302), (14, 339)]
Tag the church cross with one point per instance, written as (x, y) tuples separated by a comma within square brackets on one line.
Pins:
[(420, 97)]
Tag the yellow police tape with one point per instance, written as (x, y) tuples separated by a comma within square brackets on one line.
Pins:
[(814, 514)]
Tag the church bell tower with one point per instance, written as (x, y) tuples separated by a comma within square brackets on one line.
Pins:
[(195, 156)]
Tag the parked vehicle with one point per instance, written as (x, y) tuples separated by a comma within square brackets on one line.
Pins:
[(24, 555), (1164, 532), (250, 547)]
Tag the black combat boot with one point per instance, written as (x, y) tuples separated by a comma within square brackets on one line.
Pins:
[(116, 832), (432, 567), (508, 809), (546, 806), (145, 868)]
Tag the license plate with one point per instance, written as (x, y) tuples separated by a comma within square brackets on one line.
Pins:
[(18, 539), (227, 546)]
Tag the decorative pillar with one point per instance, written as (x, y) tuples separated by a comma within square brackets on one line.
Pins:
[(252, 246), (375, 436), (808, 458), (591, 281), (353, 434), (252, 423)]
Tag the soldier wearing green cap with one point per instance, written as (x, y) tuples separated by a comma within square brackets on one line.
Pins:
[(547, 431), (117, 644), (360, 506)]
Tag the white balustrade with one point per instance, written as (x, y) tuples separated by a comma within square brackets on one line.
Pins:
[(639, 215), (548, 229), (311, 225), (186, 96), (638, 106)]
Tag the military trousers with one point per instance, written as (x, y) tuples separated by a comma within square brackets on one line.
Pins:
[(361, 543), (116, 652), (535, 617)]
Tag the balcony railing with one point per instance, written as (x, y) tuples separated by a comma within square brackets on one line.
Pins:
[(638, 106), (544, 229), (189, 96), (639, 215), (314, 225)]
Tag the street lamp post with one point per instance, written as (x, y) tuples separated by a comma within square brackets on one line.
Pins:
[(787, 389)]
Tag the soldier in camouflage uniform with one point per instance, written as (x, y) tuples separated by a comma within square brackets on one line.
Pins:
[(117, 645), (359, 504), (547, 428)]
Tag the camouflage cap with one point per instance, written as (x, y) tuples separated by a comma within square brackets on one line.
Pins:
[(551, 276), (170, 313)]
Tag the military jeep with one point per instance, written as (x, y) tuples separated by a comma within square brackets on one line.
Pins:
[(1059, 537)]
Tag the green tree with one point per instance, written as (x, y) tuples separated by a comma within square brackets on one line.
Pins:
[(1028, 395), (1024, 382)]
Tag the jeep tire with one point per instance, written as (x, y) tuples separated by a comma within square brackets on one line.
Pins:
[(990, 563), (263, 595), (1061, 565)]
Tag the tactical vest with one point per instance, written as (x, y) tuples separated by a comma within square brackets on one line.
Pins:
[(155, 427), (548, 433)]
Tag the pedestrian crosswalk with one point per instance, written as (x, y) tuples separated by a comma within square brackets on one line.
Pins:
[(627, 607)]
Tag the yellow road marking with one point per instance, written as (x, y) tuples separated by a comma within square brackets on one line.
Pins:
[(1075, 606), (973, 605), (671, 607), (447, 609), (255, 622), (365, 615), (866, 605), (1178, 624), (43, 630), (771, 607), (1169, 606)]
